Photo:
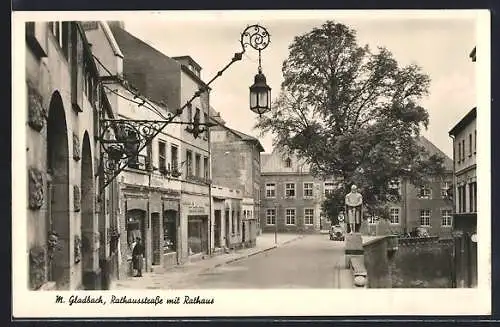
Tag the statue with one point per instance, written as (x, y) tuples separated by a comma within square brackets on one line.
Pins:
[(353, 203)]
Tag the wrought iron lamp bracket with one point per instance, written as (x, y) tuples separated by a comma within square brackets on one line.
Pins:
[(121, 140)]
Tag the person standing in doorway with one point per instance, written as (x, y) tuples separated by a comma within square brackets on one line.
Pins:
[(137, 256)]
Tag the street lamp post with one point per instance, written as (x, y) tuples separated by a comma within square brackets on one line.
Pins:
[(121, 140)]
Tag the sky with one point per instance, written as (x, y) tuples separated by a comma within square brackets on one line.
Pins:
[(439, 44)]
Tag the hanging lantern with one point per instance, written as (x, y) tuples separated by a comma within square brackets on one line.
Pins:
[(260, 95)]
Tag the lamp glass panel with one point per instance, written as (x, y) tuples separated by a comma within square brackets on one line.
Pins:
[(263, 98), (253, 99)]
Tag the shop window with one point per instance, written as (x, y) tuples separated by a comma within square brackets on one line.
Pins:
[(169, 231)]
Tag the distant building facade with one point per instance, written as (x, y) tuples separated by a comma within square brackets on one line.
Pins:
[(426, 206), (236, 164), (291, 197), (465, 197)]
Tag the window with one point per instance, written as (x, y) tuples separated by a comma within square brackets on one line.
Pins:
[(470, 144), (290, 190), (372, 220), (197, 165), (475, 141), (394, 215), (174, 157), (206, 168), (270, 216), (463, 150), (290, 216), (308, 216), (472, 197), (425, 192), (162, 156), (189, 163), (65, 38), (446, 218), (461, 199), (308, 190), (445, 186), (205, 116), (288, 163), (189, 112), (233, 225), (425, 217), (329, 188), (238, 220), (459, 151), (270, 190)]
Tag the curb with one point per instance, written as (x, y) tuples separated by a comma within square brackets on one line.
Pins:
[(252, 254)]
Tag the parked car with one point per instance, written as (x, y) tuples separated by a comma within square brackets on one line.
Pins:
[(337, 233)]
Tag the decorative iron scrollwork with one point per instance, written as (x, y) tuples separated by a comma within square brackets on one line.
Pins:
[(256, 36), (122, 140)]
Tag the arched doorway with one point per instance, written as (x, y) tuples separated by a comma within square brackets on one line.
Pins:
[(58, 193), (90, 258)]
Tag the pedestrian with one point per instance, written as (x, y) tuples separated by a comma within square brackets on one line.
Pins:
[(137, 256)]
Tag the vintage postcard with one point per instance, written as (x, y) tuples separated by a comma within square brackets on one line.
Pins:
[(251, 163)]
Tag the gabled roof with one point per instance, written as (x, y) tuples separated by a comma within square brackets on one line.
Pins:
[(466, 120), (242, 136), (433, 149)]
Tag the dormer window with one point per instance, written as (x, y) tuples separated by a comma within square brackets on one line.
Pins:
[(288, 163)]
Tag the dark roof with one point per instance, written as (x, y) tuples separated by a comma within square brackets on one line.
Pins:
[(188, 59), (472, 55), (242, 136), (433, 149), (466, 120)]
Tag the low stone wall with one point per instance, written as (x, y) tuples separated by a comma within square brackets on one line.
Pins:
[(377, 262), (409, 263), (422, 263)]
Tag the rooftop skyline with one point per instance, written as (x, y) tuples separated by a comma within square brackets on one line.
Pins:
[(440, 45)]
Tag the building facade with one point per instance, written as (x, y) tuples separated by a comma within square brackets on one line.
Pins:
[(422, 206), (68, 237), (228, 224), (291, 196), (170, 83), (465, 198), (240, 154)]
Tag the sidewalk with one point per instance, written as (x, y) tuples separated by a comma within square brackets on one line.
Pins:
[(170, 277)]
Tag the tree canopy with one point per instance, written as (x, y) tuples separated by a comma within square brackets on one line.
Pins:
[(352, 113)]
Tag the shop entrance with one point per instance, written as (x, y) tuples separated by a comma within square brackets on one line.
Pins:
[(197, 235)]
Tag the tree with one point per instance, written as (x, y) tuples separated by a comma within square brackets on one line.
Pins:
[(352, 113)]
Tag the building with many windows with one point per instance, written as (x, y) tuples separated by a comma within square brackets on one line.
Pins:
[(291, 197), (169, 82), (426, 206), (465, 198)]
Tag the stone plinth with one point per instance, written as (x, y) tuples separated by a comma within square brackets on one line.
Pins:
[(353, 246)]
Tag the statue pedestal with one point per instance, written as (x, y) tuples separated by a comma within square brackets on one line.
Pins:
[(353, 246)]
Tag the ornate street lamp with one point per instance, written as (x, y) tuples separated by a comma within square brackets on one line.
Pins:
[(260, 93), (123, 139)]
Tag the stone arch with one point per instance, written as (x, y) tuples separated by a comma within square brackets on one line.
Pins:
[(58, 213), (90, 254)]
